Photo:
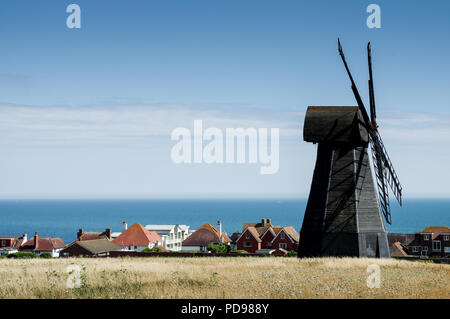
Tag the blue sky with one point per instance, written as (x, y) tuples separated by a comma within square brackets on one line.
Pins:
[(89, 112)]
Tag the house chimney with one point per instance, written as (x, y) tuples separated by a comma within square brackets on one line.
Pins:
[(219, 229), (263, 222), (36, 240), (80, 233), (268, 220), (108, 233), (124, 226), (25, 238)]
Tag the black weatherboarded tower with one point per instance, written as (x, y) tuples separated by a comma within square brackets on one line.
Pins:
[(343, 216)]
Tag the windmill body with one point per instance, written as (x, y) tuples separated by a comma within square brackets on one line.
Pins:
[(346, 205), (342, 217)]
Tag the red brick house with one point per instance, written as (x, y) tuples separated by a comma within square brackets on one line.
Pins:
[(264, 235), (249, 240)]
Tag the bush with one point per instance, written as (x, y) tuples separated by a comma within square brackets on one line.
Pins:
[(292, 253), (238, 251), (22, 255), (221, 248), (156, 249), (46, 255)]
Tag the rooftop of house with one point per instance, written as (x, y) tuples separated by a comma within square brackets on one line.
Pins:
[(404, 239), (264, 224), (204, 235), (398, 250), (436, 230), (97, 246), (92, 235), (137, 235), (43, 244), (166, 227), (259, 229), (11, 242)]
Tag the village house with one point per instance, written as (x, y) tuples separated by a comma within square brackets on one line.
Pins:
[(11, 244), (39, 245), (264, 236), (137, 238), (172, 235), (204, 235), (433, 241), (84, 235), (94, 247)]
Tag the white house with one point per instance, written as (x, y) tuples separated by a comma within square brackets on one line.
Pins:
[(172, 235), (39, 245)]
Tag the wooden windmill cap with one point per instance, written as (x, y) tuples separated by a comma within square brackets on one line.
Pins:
[(341, 124)]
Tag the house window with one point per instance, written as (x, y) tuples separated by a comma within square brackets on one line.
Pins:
[(269, 244), (247, 235), (436, 245), (415, 249), (426, 237), (446, 237), (3, 243), (248, 244), (425, 248), (282, 236), (282, 245)]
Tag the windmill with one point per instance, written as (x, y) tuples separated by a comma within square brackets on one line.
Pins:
[(344, 213)]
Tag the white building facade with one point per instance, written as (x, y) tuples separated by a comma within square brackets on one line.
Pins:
[(172, 235)]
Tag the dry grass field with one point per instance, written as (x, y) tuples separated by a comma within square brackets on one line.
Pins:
[(214, 277)]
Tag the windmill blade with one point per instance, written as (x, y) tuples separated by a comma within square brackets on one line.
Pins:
[(373, 114), (380, 174), (390, 176), (354, 89)]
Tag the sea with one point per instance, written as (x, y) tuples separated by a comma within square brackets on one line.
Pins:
[(63, 218)]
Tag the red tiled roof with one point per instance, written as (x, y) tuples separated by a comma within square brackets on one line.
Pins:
[(259, 231), (397, 250), (137, 235), (225, 238), (43, 244), (254, 232), (436, 230), (292, 233), (93, 236)]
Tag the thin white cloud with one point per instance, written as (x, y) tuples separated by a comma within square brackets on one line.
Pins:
[(137, 124), (37, 125)]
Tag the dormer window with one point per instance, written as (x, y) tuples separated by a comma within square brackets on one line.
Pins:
[(426, 237), (446, 237)]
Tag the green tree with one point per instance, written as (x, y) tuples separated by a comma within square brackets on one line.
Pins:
[(218, 248)]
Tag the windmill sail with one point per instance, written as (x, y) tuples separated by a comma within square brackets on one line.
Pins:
[(373, 114), (384, 170)]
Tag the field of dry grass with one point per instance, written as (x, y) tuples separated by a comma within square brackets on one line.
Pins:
[(214, 277)]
